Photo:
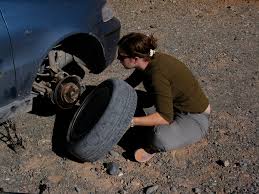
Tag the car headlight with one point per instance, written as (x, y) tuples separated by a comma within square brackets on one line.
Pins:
[(107, 12)]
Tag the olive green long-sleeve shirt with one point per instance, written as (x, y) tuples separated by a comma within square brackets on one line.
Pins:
[(172, 86)]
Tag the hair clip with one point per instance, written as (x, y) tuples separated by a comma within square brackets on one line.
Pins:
[(151, 52)]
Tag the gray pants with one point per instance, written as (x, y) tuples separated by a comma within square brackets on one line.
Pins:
[(186, 129)]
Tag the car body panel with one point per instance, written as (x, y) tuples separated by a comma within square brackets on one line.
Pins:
[(7, 73), (35, 27), (25, 34)]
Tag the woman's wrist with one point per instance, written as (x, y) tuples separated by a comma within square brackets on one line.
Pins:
[(132, 123)]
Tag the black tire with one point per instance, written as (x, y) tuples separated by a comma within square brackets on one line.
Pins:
[(101, 120)]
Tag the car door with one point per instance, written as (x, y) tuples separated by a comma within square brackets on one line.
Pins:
[(7, 71)]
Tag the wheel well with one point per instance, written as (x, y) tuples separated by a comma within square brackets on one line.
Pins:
[(88, 49)]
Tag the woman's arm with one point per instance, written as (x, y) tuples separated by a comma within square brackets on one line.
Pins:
[(150, 120), (135, 78)]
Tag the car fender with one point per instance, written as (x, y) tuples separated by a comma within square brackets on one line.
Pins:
[(32, 37)]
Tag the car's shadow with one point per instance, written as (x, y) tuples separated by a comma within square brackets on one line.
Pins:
[(44, 107)]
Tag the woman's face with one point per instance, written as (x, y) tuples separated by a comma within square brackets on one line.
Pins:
[(126, 61)]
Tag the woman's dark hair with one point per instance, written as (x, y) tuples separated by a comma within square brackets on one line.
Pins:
[(137, 45)]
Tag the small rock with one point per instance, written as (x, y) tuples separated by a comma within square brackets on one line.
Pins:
[(223, 163), (122, 191), (77, 189), (226, 163), (114, 154), (152, 26), (173, 189), (120, 174), (196, 190), (142, 11), (199, 15), (159, 163), (241, 164), (135, 183), (112, 168), (151, 189), (93, 169)]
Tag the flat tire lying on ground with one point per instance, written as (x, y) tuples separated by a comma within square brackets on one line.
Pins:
[(101, 120)]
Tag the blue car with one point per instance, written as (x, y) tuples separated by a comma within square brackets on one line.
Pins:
[(46, 48)]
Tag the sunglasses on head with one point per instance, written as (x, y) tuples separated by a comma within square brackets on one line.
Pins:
[(122, 56)]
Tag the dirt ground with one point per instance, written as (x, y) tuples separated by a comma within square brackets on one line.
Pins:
[(218, 41)]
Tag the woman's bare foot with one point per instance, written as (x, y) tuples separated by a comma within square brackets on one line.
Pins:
[(142, 156)]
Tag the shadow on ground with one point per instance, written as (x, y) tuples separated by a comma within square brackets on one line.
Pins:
[(10, 137), (133, 139), (44, 107), (138, 136)]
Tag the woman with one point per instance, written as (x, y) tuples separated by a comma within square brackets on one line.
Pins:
[(180, 108)]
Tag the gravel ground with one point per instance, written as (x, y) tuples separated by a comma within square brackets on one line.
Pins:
[(219, 43)]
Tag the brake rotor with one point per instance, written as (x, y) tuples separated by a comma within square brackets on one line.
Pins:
[(67, 92)]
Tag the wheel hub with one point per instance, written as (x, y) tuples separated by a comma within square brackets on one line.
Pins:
[(67, 92)]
